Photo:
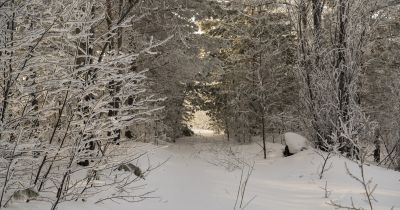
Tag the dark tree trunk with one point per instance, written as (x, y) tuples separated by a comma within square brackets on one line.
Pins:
[(263, 137), (227, 129), (119, 31), (109, 19), (344, 80)]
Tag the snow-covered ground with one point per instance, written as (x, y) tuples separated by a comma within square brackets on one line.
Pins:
[(202, 173)]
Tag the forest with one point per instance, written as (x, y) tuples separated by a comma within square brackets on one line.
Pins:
[(199, 104)]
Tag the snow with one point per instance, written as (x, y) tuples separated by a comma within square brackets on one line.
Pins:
[(295, 142), (203, 132), (202, 173)]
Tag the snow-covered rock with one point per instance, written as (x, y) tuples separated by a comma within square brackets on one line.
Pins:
[(295, 142)]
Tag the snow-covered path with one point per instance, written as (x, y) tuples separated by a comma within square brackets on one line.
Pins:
[(196, 177), (191, 179)]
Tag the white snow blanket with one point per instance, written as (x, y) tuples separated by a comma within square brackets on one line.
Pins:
[(295, 142), (193, 179)]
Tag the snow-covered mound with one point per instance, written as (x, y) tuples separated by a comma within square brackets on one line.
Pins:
[(295, 142)]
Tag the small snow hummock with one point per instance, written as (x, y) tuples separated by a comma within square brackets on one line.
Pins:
[(295, 142)]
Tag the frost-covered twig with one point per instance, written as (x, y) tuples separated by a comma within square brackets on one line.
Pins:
[(366, 184), (326, 190), (244, 179)]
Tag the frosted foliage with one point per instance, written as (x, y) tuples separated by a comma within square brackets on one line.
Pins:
[(67, 95)]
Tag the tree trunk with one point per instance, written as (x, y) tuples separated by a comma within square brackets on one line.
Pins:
[(263, 137), (109, 19), (119, 31), (343, 89), (227, 129)]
